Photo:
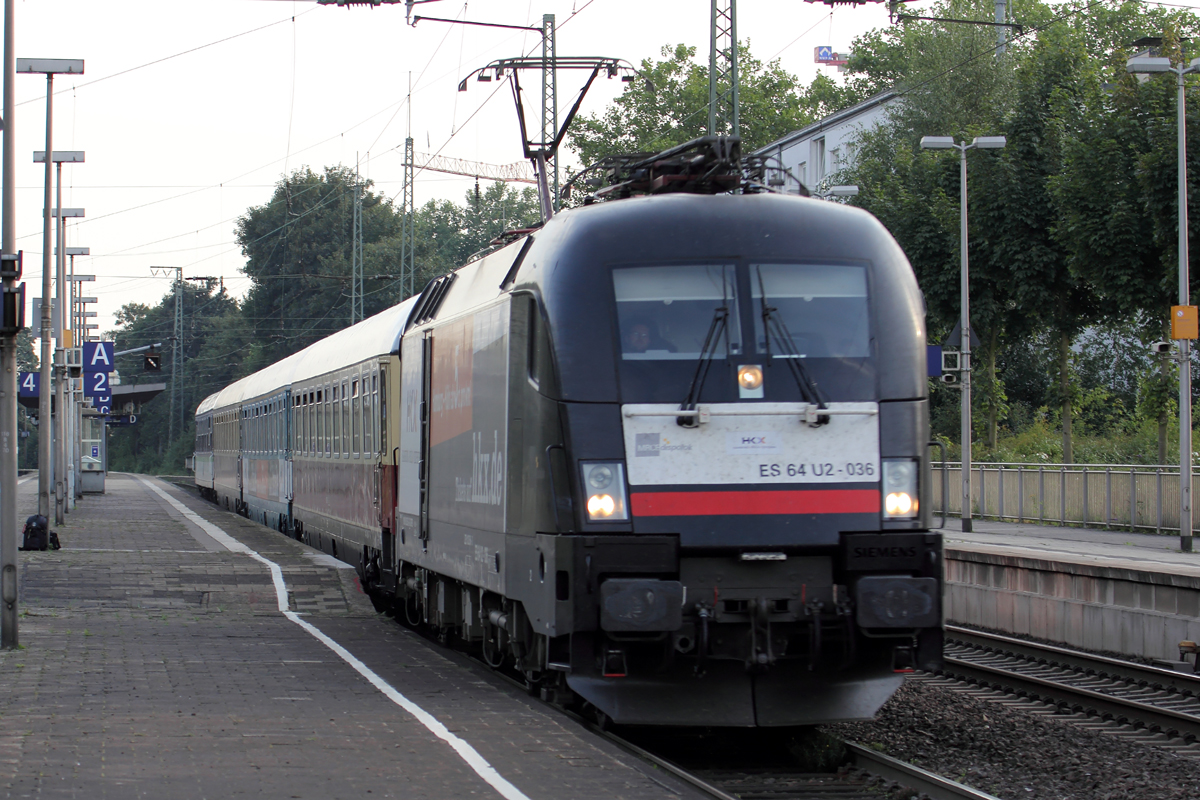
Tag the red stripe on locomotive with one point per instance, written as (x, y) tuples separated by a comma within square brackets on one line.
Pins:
[(812, 501)]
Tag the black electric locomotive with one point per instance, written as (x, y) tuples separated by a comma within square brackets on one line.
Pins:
[(664, 456)]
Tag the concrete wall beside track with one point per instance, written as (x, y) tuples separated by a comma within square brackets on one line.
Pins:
[(1095, 606)]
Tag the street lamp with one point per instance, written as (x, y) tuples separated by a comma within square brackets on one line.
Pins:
[(48, 67), (978, 143), (1144, 65)]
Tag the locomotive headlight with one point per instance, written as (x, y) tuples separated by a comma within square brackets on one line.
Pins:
[(750, 376), (604, 487), (900, 489)]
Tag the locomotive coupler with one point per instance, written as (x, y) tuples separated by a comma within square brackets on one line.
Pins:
[(761, 655)]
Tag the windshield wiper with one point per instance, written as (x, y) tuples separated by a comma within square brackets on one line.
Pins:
[(773, 324), (716, 329)]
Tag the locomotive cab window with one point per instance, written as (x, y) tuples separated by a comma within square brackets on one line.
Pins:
[(816, 311), (666, 313)]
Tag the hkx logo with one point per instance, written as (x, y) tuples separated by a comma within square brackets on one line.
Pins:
[(752, 442)]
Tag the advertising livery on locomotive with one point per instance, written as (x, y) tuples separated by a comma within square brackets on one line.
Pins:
[(664, 456)]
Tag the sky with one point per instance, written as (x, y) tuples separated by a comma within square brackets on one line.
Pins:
[(190, 113)]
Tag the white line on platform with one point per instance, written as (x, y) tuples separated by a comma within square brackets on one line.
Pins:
[(465, 751)]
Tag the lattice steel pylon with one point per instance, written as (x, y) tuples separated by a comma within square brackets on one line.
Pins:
[(550, 96), (408, 269), (176, 347), (723, 70), (356, 257)]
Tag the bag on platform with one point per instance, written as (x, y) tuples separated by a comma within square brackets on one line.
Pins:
[(36, 535)]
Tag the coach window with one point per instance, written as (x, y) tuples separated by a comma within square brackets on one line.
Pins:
[(318, 423), (345, 419), (311, 430), (356, 418), (339, 393), (368, 414)]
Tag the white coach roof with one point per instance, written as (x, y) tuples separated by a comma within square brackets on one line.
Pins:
[(375, 336)]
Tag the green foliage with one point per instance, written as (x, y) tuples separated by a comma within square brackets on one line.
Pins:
[(298, 247), (668, 105)]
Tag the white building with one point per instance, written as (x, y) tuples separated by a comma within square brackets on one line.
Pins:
[(819, 150)]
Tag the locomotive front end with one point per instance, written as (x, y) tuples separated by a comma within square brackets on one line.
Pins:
[(770, 472)]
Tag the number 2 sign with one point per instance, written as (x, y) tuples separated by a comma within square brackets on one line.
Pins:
[(96, 384)]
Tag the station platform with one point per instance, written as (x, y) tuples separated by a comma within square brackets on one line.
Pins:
[(1111, 591), (172, 649)]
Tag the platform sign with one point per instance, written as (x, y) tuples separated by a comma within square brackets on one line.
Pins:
[(824, 54), (103, 404), (121, 421), (29, 384), (96, 384), (933, 360), (99, 357)]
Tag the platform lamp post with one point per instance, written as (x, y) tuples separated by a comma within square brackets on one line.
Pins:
[(61, 371), (62, 398), (8, 346), (978, 143), (78, 333), (1146, 65), (48, 67)]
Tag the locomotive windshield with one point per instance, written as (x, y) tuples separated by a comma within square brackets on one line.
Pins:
[(819, 313), (665, 313), (824, 308)]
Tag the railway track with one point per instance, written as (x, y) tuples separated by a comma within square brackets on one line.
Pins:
[(864, 774), (1127, 695), (864, 777)]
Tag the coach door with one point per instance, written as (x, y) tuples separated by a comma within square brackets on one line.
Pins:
[(412, 504)]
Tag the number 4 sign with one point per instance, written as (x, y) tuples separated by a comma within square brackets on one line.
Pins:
[(29, 384)]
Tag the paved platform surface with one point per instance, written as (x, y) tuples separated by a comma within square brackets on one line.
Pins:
[(156, 663), (1095, 546)]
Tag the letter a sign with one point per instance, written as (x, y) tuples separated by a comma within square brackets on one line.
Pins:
[(99, 356)]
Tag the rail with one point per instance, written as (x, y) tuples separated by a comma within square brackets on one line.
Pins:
[(1126, 497)]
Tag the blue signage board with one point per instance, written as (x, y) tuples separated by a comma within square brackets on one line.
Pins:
[(29, 384), (96, 384), (933, 360), (121, 421), (102, 404), (95, 451), (99, 356)]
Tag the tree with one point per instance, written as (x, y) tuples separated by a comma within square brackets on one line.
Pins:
[(213, 343), (299, 251), (668, 105), (1071, 185)]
